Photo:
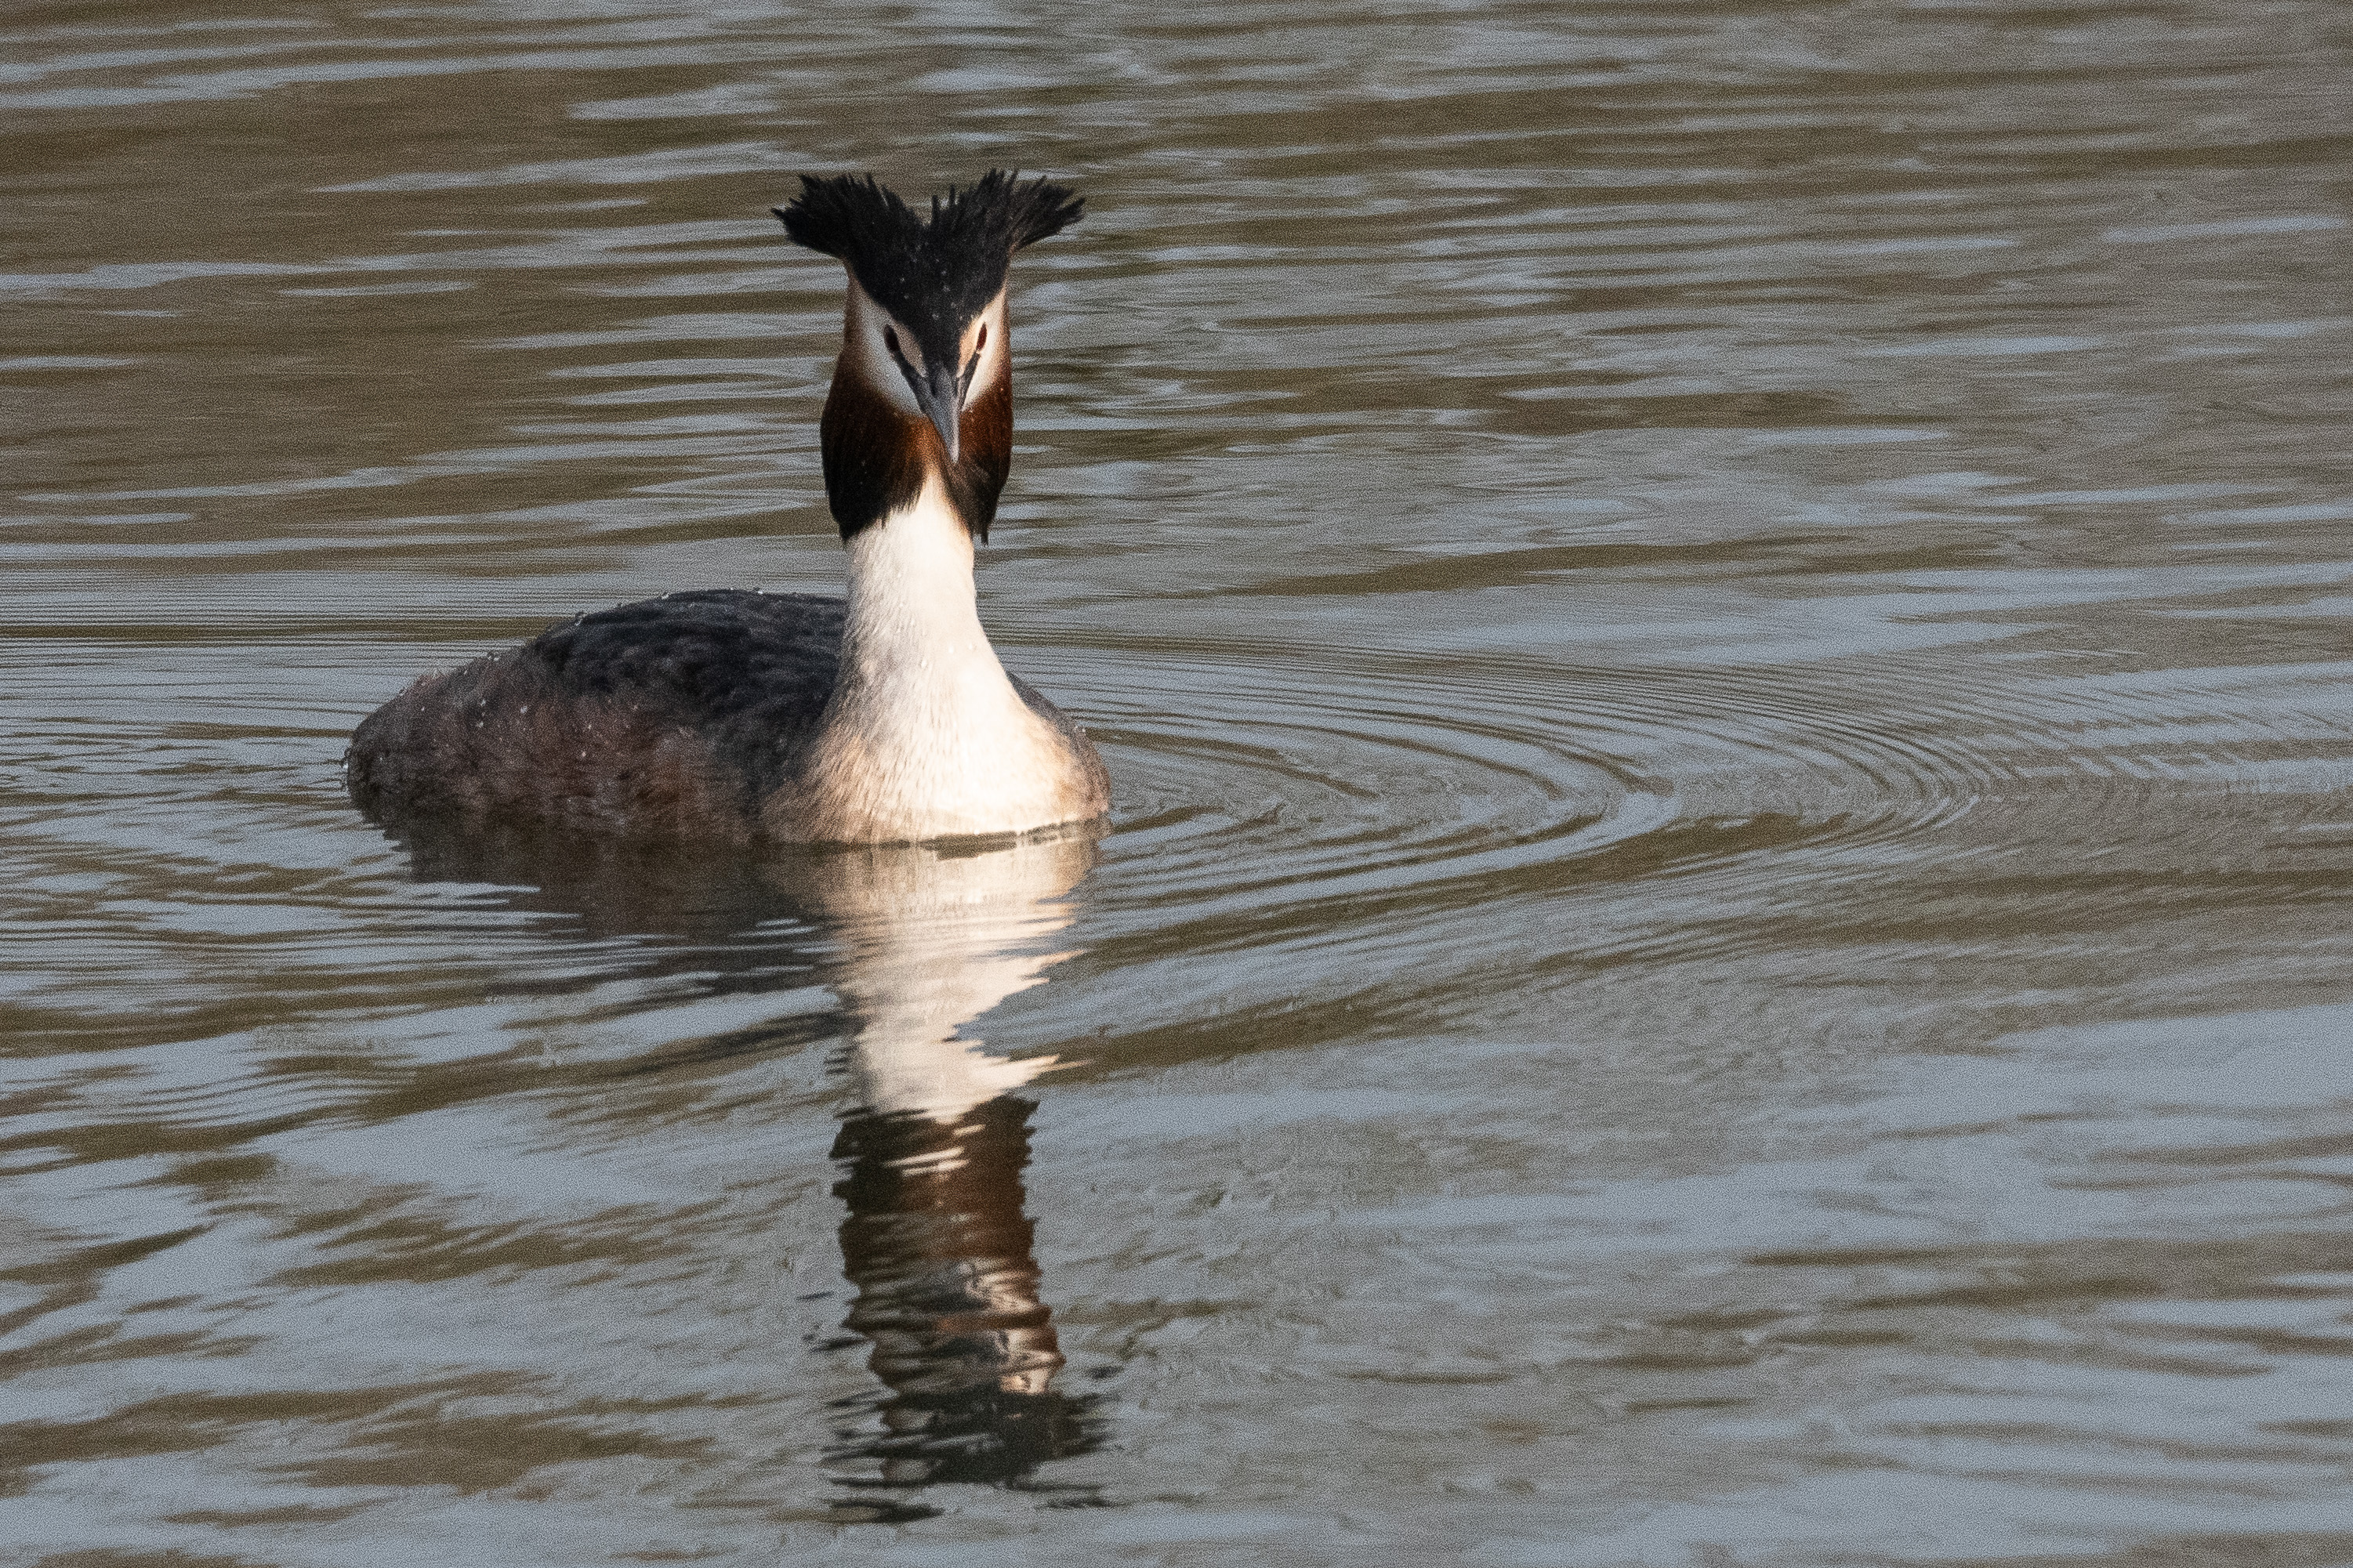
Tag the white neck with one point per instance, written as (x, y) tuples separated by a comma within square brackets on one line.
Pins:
[(926, 736), (915, 615)]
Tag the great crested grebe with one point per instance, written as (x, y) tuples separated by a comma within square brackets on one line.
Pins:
[(745, 717)]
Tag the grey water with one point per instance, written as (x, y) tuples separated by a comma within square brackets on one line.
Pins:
[(1724, 634)]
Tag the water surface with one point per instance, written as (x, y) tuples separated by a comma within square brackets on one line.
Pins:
[(1724, 633)]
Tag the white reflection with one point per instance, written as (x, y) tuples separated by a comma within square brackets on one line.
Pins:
[(932, 939), (936, 1238)]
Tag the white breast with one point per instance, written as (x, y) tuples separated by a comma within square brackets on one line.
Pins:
[(926, 736)]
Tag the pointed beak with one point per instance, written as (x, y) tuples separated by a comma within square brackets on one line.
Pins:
[(939, 396)]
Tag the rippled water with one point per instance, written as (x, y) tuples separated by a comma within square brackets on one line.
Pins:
[(1723, 636)]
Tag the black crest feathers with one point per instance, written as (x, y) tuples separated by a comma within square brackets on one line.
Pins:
[(933, 274)]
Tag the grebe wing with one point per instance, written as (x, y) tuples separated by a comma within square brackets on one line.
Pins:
[(672, 717), (714, 659)]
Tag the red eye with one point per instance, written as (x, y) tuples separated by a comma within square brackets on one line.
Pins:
[(981, 341)]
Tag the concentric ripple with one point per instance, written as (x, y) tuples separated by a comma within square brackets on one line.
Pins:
[(1311, 776)]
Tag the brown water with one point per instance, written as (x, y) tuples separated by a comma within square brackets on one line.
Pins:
[(1724, 633)]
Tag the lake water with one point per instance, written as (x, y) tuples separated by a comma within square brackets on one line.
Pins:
[(1724, 634)]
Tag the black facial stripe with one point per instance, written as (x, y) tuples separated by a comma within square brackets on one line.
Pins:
[(980, 343), (914, 383)]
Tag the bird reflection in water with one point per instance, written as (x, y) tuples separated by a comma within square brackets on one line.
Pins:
[(917, 941), (937, 1242)]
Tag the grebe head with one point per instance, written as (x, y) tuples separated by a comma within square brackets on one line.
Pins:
[(924, 385)]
